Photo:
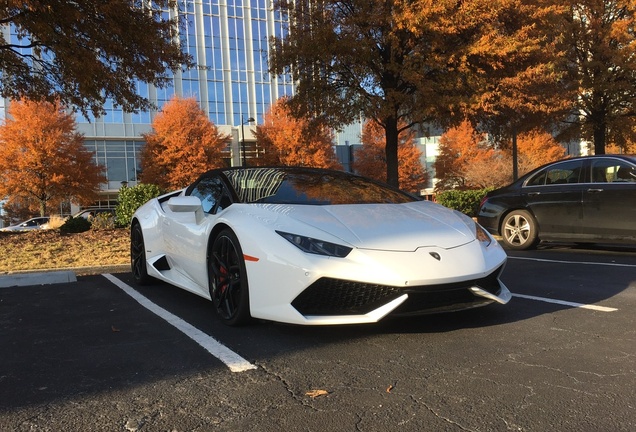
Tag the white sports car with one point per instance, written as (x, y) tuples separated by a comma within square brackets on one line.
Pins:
[(313, 246)]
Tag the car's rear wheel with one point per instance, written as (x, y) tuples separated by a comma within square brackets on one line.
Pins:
[(519, 230), (228, 279), (138, 255)]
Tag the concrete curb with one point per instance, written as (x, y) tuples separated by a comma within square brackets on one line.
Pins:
[(55, 276), (29, 279)]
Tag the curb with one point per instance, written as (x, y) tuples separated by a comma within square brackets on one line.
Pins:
[(55, 276), (29, 279)]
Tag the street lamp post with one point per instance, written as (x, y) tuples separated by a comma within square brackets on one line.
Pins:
[(243, 121)]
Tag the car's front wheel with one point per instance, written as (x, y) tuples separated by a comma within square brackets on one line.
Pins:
[(228, 279), (519, 230), (138, 255)]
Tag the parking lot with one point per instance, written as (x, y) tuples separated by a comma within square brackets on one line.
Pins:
[(102, 354)]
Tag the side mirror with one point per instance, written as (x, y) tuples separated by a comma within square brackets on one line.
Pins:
[(187, 209), (184, 204)]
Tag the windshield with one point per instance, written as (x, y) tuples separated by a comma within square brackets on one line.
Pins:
[(309, 186)]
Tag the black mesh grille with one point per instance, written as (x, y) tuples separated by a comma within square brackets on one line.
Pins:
[(329, 296)]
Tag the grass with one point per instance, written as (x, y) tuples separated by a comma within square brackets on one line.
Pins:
[(50, 249)]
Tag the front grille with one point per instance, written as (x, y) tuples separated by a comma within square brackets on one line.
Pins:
[(329, 296)]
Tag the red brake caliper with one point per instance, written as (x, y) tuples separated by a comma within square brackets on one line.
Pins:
[(223, 279)]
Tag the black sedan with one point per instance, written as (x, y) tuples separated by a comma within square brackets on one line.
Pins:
[(590, 199)]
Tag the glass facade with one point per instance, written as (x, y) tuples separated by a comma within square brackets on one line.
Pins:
[(119, 157)]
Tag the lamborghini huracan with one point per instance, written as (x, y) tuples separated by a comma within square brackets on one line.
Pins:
[(315, 247)]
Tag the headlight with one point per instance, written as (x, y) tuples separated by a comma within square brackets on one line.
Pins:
[(480, 233), (315, 246)]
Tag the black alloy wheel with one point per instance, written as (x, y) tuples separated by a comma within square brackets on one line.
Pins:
[(138, 256), (228, 279)]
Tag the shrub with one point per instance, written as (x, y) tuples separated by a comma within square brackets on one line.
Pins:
[(131, 198), (465, 201), (102, 221), (56, 221), (75, 225)]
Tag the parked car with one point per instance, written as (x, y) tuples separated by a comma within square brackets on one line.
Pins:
[(314, 247), (92, 212), (30, 224), (589, 199)]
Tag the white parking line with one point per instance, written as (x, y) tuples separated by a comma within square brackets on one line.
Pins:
[(567, 303), (573, 262), (232, 360)]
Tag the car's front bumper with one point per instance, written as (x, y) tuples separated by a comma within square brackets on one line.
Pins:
[(369, 285)]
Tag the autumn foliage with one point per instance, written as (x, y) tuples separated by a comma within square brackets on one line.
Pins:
[(85, 52), (599, 38), (370, 159), (183, 144), (467, 160), (290, 141), (458, 146), (537, 148), (43, 160), (419, 61)]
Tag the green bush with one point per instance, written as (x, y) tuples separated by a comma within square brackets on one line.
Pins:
[(131, 198), (75, 225), (465, 201)]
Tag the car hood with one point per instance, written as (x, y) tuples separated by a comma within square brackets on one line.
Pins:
[(394, 227)]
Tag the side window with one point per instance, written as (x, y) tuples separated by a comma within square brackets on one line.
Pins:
[(537, 180), (209, 191), (625, 173), (566, 172), (613, 170)]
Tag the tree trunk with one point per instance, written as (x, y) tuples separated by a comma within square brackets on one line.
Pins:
[(599, 138), (391, 132)]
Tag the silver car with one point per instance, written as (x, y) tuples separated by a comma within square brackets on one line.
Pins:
[(28, 225)]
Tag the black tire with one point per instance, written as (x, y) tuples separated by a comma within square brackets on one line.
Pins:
[(228, 279), (138, 256), (519, 230)]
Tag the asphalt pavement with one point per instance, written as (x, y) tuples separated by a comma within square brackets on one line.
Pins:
[(95, 354)]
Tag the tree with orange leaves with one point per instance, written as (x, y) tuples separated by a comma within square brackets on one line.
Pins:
[(183, 144), (458, 146), (599, 41), (413, 62), (370, 159), (290, 141), (43, 160), (489, 168), (536, 148), (467, 160)]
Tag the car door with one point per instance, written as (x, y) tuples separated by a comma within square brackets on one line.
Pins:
[(609, 200), (186, 234), (555, 198)]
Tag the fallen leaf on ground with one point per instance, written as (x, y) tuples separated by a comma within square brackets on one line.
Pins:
[(316, 393)]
